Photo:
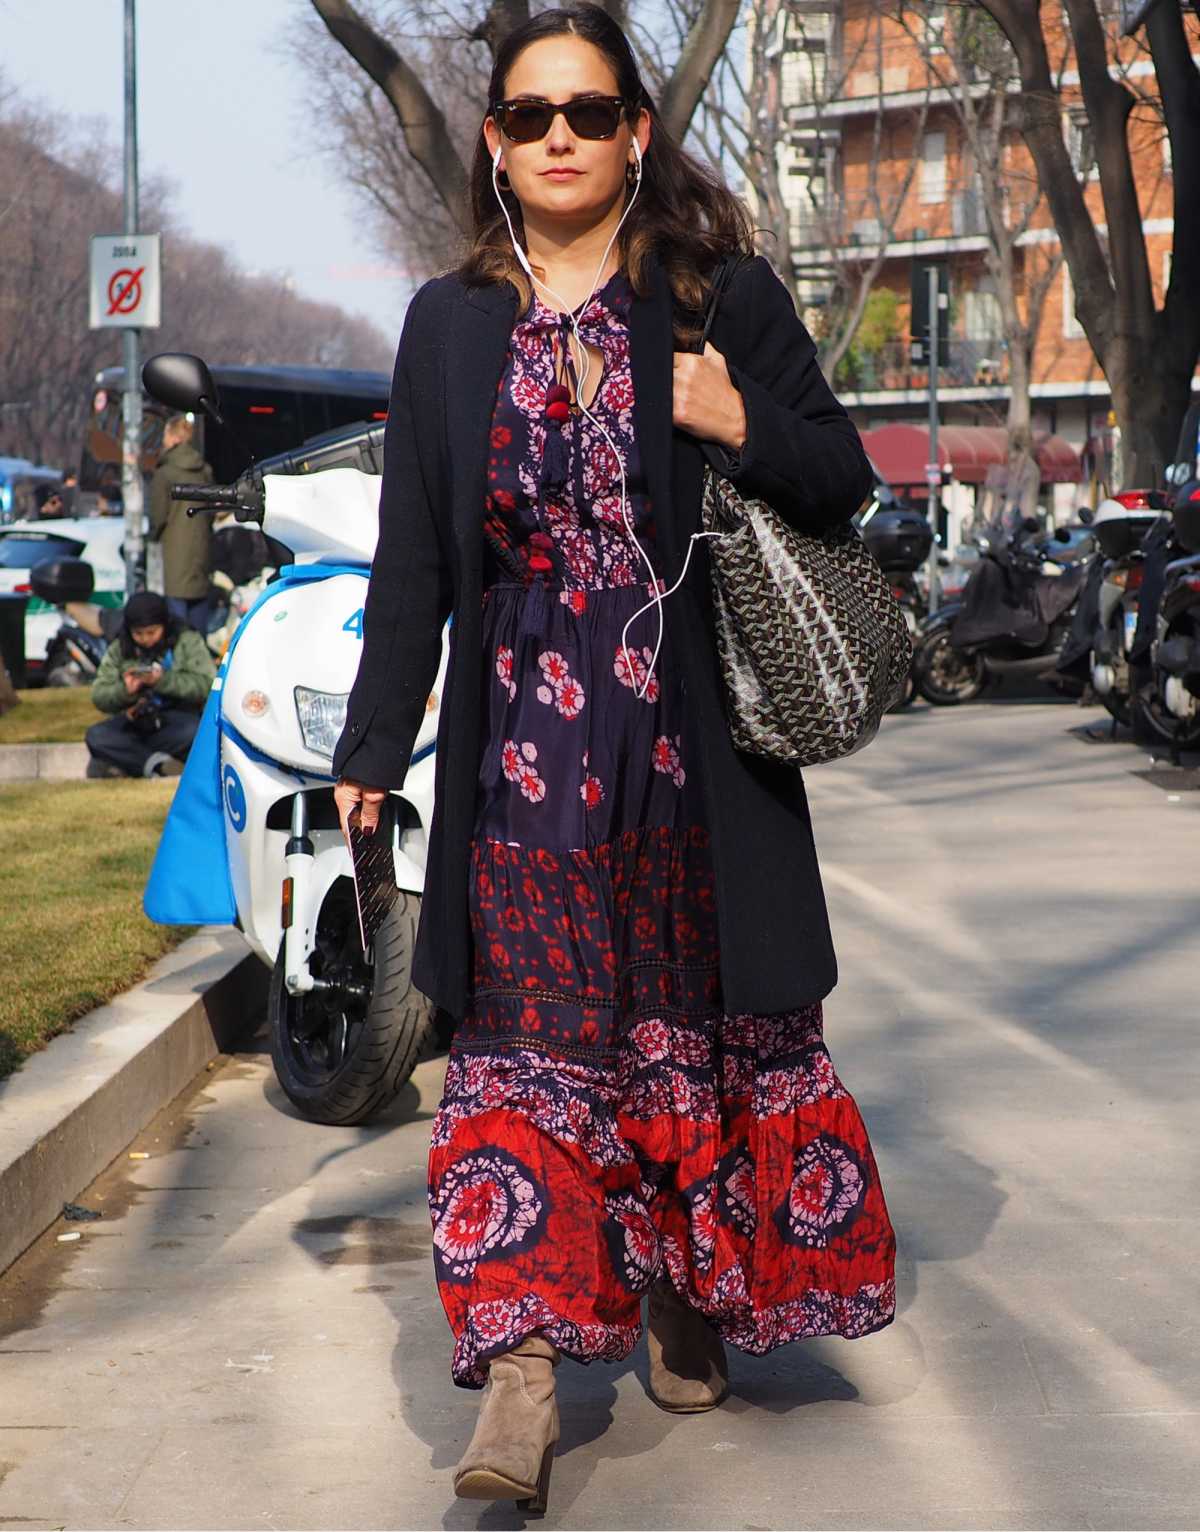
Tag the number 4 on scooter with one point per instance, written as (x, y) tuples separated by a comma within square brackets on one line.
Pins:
[(354, 623)]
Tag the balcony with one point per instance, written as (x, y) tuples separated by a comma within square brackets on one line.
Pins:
[(963, 362), (844, 223)]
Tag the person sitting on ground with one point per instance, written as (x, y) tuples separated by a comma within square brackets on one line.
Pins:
[(154, 680), (186, 540)]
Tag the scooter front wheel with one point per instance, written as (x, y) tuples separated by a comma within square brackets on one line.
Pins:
[(945, 675), (341, 1054)]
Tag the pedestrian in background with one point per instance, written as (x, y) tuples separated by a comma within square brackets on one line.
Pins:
[(623, 914), (154, 679), (49, 501), (185, 539)]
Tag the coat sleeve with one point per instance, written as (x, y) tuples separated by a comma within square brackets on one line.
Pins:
[(108, 689), (160, 502), (191, 674), (409, 594), (802, 452)]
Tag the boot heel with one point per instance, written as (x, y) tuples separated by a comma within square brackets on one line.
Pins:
[(536, 1504)]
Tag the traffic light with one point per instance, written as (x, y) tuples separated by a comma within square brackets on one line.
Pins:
[(919, 323)]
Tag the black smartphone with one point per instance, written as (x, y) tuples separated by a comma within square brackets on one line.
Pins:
[(375, 889)]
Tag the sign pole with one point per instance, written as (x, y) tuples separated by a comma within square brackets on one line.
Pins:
[(132, 491), (933, 469)]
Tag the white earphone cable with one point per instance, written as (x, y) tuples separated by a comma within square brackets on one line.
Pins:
[(583, 366)]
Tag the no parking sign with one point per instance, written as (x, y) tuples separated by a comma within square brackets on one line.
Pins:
[(125, 286)]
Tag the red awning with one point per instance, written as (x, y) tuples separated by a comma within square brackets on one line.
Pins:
[(900, 453)]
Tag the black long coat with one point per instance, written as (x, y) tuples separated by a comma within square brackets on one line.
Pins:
[(801, 454)]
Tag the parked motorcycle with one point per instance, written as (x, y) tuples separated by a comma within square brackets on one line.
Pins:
[(74, 654), (1168, 699), (1107, 613), (901, 538), (253, 837), (1013, 617)]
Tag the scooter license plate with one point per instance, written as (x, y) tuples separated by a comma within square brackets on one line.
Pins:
[(1131, 622)]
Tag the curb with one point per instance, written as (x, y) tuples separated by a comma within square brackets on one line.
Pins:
[(71, 1109), (47, 763)]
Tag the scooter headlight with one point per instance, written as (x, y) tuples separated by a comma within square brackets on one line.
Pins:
[(322, 717)]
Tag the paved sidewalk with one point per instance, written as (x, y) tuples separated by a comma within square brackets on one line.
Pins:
[(251, 1337)]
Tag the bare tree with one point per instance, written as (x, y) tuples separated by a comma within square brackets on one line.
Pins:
[(971, 60), (55, 194), (1148, 354), (774, 131)]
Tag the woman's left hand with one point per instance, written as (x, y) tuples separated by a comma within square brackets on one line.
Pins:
[(705, 401)]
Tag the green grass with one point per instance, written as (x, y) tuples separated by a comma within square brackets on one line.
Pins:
[(72, 932), (52, 715)]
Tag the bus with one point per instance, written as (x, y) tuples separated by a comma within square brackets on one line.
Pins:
[(266, 409)]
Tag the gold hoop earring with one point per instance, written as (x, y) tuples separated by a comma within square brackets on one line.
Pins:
[(502, 180), (631, 175)]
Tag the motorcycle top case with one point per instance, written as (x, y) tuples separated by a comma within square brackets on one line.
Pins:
[(189, 883), (1118, 537), (899, 539), (1186, 519)]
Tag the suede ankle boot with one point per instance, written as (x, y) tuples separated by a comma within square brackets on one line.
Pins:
[(512, 1450), (688, 1371)]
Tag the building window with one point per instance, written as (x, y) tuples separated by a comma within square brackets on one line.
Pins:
[(933, 167)]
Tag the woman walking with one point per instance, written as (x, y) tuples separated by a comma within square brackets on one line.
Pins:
[(623, 914)]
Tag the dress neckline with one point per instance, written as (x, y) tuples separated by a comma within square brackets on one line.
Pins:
[(611, 298)]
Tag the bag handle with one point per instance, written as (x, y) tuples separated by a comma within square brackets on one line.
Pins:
[(723, 273)]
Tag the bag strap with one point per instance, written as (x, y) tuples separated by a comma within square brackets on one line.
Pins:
[(723, 274)]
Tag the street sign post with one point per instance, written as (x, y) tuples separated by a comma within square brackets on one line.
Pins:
[(126, 286), (937, 303), (126, 294)]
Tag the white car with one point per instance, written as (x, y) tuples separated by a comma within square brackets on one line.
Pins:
[(96, 539)]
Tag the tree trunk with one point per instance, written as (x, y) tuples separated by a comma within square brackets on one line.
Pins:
[(1149, 402)]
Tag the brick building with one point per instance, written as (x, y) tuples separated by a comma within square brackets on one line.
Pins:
[(864, 112)]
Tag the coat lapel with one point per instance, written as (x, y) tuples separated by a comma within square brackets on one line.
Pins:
[(476, 348)]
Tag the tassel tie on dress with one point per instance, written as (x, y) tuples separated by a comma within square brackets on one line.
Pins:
[(561, 458)]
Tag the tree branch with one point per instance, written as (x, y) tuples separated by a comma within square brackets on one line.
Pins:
[(704, 45), (1179, 85), (421, 120), (1095, 296), (503, 17)]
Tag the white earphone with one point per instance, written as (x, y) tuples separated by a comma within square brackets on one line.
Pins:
[(584, 363)]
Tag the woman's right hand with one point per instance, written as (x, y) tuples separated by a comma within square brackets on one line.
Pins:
[(349, 796)]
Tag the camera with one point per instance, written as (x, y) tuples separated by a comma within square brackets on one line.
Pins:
[(146, 713)]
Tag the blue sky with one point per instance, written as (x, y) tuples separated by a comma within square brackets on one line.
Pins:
[(221, 112)]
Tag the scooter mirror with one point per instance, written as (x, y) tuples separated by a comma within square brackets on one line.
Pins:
[(1030, 524), (1062, 535), (182, 381), (1086, 515)]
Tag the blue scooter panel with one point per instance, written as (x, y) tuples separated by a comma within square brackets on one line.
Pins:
[(189, 883)]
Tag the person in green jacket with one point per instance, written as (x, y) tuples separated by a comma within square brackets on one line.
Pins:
[(186, 540), (154, 679)]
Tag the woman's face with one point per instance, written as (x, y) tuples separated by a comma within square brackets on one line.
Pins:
[(149, 636), (561, 176)]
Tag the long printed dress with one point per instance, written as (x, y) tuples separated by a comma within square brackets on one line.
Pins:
[(604, 1120)]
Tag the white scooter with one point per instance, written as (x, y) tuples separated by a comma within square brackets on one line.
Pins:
[(346, 1026)]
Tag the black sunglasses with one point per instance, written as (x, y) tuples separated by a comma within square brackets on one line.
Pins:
[(524, 121)]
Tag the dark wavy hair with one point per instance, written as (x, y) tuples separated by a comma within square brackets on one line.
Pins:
[(684, 214)]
